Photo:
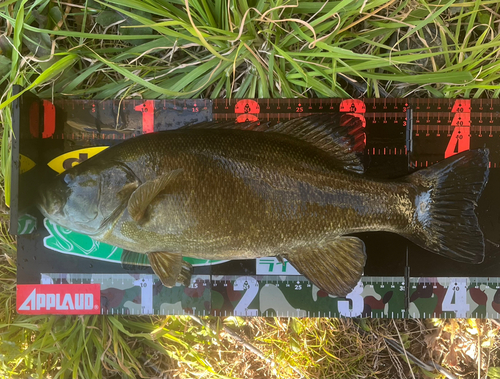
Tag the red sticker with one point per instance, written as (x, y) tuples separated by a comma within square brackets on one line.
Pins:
[(461, 106), (460, 138), (461, 119), (62, 299), (354, 121), (352, 106), (49, 119), (459, 141), (148, 115), (349, 118), (246, 118), (247, 106)]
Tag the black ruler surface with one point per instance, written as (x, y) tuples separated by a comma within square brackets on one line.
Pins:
[(402, 135)]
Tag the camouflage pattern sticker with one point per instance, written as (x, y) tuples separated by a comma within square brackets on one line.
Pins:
[(484, 297), (25, 163), (384, 297), (292, 296), (454, 297), (137, 294)]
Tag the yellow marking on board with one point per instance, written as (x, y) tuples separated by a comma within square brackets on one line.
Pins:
[(68, 160), (26, 164)]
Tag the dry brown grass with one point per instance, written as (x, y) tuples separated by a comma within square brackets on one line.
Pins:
[(340, 348)]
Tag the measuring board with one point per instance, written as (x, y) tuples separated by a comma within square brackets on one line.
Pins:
[(401, 279)]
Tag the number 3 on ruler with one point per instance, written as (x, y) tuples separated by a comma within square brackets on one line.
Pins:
[(357, 302), (251, 285)]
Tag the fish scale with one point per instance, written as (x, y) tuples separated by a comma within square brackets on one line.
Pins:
[(360, 196)]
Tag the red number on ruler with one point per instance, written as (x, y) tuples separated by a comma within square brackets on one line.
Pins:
[(49, 119), (459, 141), (148, 115), (460, 138), (352, 106), (247, 106), (461, 106)]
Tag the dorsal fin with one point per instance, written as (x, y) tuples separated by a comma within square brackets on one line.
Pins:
[(342, 136), (256, 126)]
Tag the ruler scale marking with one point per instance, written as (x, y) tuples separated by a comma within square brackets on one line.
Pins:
[(461, 306)]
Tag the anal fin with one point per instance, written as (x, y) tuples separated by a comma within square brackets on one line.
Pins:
[(170, 268), (335, 267)]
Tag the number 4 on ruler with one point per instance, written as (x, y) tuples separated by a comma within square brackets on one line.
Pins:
[(460, 138), (455, 299)]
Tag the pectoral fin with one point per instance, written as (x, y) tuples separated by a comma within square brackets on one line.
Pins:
[(146, 192), (170, 268), (127, 190), (335, 267)]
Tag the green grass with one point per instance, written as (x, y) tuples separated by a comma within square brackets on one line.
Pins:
[(159, 49)]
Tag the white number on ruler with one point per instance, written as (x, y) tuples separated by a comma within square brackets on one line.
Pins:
[(357, 302), (146, 284), (251, 286), (455, 299)]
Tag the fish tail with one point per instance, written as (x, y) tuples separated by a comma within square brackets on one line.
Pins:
[(447, 193)]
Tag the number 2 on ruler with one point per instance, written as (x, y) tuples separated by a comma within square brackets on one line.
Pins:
[(251, 285)]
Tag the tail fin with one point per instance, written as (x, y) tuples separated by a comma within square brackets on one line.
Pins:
[(447, 193)]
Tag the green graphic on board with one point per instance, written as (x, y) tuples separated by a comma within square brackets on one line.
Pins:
[(66, 241), (26, 224)]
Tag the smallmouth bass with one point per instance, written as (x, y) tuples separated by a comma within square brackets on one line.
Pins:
[(295, 190)]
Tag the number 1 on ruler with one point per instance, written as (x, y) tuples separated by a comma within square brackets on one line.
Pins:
[(146, 284)]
